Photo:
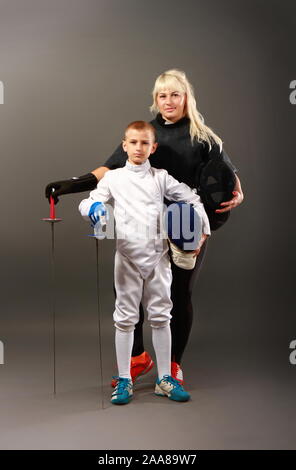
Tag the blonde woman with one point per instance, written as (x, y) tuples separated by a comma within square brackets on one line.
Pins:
[(185, 144)]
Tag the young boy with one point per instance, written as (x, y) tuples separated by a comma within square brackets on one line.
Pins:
[(142, 269)]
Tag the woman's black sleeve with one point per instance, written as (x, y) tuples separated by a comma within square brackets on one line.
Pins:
[(215, 153), (117, 159), (226, 159)]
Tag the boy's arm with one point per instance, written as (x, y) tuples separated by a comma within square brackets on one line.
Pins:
[(101, 194), (176, 191)]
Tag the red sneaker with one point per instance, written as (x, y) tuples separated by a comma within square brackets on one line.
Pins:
[(140, 365), (177, 373)]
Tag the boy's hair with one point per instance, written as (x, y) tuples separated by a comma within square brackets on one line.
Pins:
[(141, 126)]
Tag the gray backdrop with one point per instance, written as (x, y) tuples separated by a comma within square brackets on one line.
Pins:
[(75, 72)]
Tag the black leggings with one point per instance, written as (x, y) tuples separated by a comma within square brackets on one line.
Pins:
[(182, 311)]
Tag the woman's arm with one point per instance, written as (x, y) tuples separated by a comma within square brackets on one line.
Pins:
[(100, 172), (238, 187), (236, 200), (85, 182)]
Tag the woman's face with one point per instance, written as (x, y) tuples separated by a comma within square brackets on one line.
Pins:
[(171, 104)]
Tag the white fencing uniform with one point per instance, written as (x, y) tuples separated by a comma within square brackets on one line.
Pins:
[(142, 266), (131, 288)]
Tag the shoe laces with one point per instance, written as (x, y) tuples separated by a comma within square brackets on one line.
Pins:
[(122, 384), (169, 379)]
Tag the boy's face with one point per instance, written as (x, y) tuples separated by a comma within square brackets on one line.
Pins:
[(139, 144)]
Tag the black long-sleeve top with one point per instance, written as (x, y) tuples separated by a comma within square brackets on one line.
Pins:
[(175, 152)]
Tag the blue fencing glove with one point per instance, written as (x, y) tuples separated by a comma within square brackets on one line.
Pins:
[(98, 213)]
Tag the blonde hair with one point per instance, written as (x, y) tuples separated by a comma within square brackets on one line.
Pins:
[(176, 80)]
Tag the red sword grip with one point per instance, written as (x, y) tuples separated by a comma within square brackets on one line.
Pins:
[(52, 208)]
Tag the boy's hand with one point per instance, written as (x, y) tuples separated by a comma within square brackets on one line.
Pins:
[(201, 242), (97, 213)]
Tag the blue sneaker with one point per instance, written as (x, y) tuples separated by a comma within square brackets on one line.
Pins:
[(123, 391), (171, 388)]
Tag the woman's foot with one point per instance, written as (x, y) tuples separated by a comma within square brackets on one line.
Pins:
[(140, 365), (177, 373)]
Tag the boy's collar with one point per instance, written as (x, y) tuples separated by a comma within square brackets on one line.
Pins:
[(138, 168)]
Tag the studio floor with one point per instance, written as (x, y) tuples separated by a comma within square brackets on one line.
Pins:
[(232, 407)]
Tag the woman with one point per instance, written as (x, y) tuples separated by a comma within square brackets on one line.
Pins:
[(185, 144)]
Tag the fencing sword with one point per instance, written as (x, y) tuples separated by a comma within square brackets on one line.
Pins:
[(98, 235), (53, 219)]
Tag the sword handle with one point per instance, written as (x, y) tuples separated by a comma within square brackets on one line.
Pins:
[(52, 216), (52, 208)]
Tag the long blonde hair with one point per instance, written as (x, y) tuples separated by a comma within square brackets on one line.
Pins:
[(176, 80)]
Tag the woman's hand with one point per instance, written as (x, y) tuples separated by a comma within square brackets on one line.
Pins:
[(235, 201), (201, 242)]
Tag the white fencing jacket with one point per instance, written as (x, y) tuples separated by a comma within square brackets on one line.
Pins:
[(138, 192)]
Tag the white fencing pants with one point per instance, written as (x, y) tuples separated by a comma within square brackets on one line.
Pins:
[(131, 289)]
